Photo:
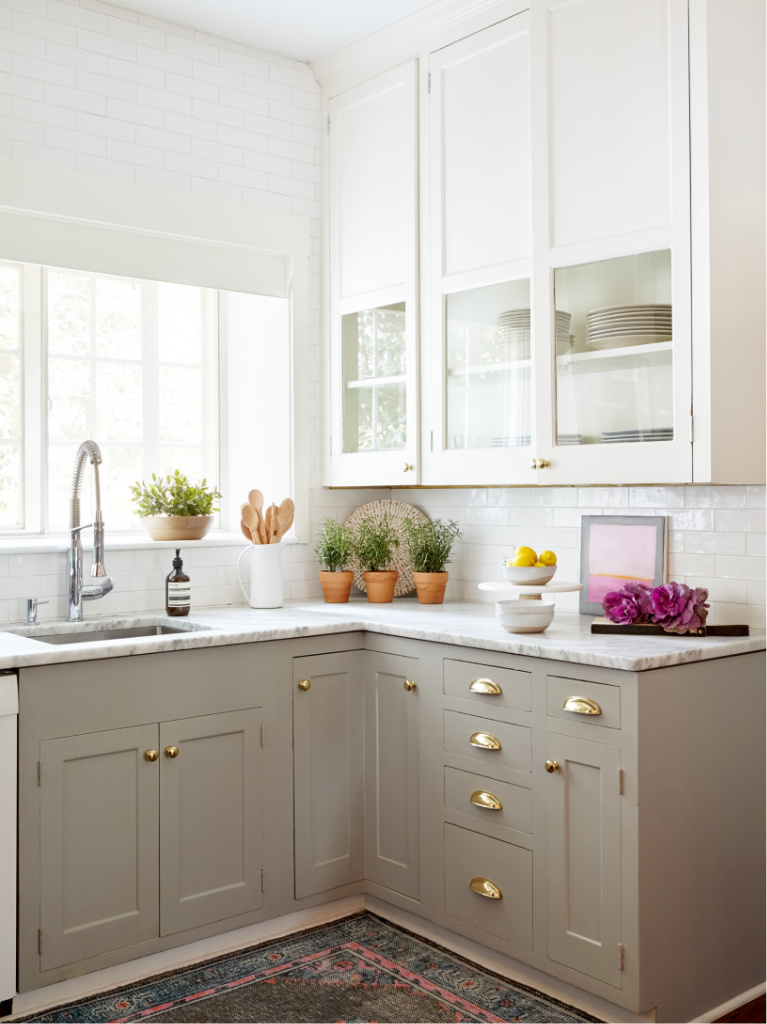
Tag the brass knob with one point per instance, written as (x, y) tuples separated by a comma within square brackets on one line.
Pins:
[(409, 685), (538, 463), (552, 766), (151, 755), (304, 684), (171, 751), (533, 463), (408, 467)]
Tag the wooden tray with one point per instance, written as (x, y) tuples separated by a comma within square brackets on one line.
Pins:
[(650, 629)]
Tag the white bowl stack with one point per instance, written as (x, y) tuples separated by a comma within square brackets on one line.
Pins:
[(622, 326), (519, 615)]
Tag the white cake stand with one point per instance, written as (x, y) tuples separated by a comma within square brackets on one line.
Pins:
[(532, 592)]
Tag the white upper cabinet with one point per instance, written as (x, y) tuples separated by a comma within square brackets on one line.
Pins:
[(590, 214), (373, 170)]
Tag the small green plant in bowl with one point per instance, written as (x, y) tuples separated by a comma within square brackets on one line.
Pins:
[(172, 508), (374, 548), (334, 549), (430, 544)]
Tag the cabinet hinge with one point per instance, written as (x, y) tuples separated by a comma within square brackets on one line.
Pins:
[(328, 124), (262, 734), (39, 773), (692, 428), (620, 781), (39, 940), (431, 440), (621, 956), (262, 879), (428, 82)]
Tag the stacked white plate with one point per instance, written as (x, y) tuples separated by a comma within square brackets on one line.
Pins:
[(507, 441), (621, 326), (569, 439), (514, 329), (628, 436)]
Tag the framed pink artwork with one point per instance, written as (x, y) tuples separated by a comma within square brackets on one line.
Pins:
[(616, 549)]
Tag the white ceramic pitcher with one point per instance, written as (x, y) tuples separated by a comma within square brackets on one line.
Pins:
[(265, 576)]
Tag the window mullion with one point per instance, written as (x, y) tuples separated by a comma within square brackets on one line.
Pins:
[(211, 440), (34, 395), (150, 343)]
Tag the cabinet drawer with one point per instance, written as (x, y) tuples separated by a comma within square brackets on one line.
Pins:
[(470, 856), (514, 750), (603, 707), (479, 797), (515, 688)]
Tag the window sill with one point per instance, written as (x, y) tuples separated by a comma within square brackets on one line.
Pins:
[(18, 545)]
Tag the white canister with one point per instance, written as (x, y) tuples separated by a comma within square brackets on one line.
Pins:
[(265, 575)]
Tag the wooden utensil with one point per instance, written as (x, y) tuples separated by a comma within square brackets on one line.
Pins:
[(284, 517), (246, 532), (250, 518), (272, 526), (256, 500)]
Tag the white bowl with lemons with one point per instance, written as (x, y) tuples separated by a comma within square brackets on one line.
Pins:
[(527, 569)]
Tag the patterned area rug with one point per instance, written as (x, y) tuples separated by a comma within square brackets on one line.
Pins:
[(357, 969)]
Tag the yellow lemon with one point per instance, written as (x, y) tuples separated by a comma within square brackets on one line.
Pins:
[(522, 550), (524, 559), (540, 565), (548, 558)]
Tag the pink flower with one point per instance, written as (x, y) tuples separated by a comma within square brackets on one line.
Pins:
[(630, 604), (678, 608)]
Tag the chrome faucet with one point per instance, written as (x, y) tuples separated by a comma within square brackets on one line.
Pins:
[(77, 593)]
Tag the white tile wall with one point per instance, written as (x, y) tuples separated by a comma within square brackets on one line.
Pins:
[(109, 91)]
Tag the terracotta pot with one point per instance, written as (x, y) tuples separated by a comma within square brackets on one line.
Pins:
[(380, 585), (181, 528), (430, 586), (336, 586)]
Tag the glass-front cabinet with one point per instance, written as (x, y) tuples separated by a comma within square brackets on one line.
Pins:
[(372, 420)]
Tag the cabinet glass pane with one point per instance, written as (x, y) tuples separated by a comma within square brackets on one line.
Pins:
[(487, 363), (614, 351), (374, 365)]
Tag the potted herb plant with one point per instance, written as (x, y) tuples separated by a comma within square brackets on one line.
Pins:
[(374, 548), (430, 544), (333, 549), (173, 509)]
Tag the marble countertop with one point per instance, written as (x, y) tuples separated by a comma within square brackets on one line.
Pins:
[(465, 624)]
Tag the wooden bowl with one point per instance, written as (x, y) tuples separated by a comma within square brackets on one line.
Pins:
[(181, 528)]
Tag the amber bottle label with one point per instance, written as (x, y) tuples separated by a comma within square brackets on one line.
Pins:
[(179, 594)]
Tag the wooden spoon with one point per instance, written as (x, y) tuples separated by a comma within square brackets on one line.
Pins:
[(285, 517), (256, 499), (251, 518), (246, 532), (270, 519)]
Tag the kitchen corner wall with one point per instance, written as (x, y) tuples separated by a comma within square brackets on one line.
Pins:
[(103, 90)]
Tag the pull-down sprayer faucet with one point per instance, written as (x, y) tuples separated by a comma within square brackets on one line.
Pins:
[(77, 593)]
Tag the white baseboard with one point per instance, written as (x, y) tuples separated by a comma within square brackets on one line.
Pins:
[(730, 1005)]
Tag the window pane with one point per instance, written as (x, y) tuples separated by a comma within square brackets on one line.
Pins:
[(180, 405), (118, 401), (69, 388), (186, 460), (61, 460), (69, 313), (10, 305), (118, 318), (180, 324), (121, 468), (10, 486), (10, 397)]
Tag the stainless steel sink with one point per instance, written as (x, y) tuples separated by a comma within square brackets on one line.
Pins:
[(90, 636)]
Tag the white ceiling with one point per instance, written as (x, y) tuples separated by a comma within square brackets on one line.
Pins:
[(302, 29)]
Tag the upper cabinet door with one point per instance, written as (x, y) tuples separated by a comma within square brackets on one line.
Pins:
[(611, 248), (372, 428), (477, 376)]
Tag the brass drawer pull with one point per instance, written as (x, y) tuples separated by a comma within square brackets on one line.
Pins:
[(486, 686), (582, 706), (481, 798), (484, 887), (151, 755), (485, 740), (304, 684), (409, 685), (171, 751)]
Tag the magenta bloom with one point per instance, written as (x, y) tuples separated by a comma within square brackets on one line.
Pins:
[(631, 604), (678, 609)]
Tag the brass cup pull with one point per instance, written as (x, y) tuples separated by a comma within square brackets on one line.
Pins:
[(171, 751), (485, 740), (409, 685), (484, 887), (304, 684), (490, 802), (486, 686), (582, 706), (151, 755), (552, 766)]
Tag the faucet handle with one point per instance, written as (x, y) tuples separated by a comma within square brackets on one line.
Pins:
[(76, 529), (32, 604)]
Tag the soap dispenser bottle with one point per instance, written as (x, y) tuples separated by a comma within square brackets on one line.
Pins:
[(178, 597)]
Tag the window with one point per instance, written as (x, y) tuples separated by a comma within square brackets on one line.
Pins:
[(131, 364)]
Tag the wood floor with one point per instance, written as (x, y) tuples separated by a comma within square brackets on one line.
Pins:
[(751, 1013)]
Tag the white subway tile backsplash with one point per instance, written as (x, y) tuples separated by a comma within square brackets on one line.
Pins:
[(171, 63), (73, 14), (698, 542), (715, 497), (106, 46), (739, 567), (739, 519), (755, 497), (151, 96), (656, 497), (137, 33)]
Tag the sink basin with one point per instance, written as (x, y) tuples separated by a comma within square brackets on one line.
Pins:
[(90, 636)]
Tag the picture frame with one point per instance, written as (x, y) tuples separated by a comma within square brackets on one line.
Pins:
[(617, 549)]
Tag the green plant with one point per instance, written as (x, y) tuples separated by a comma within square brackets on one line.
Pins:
[(430, 544), (374, 544), (173, 496), (334, 545)]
